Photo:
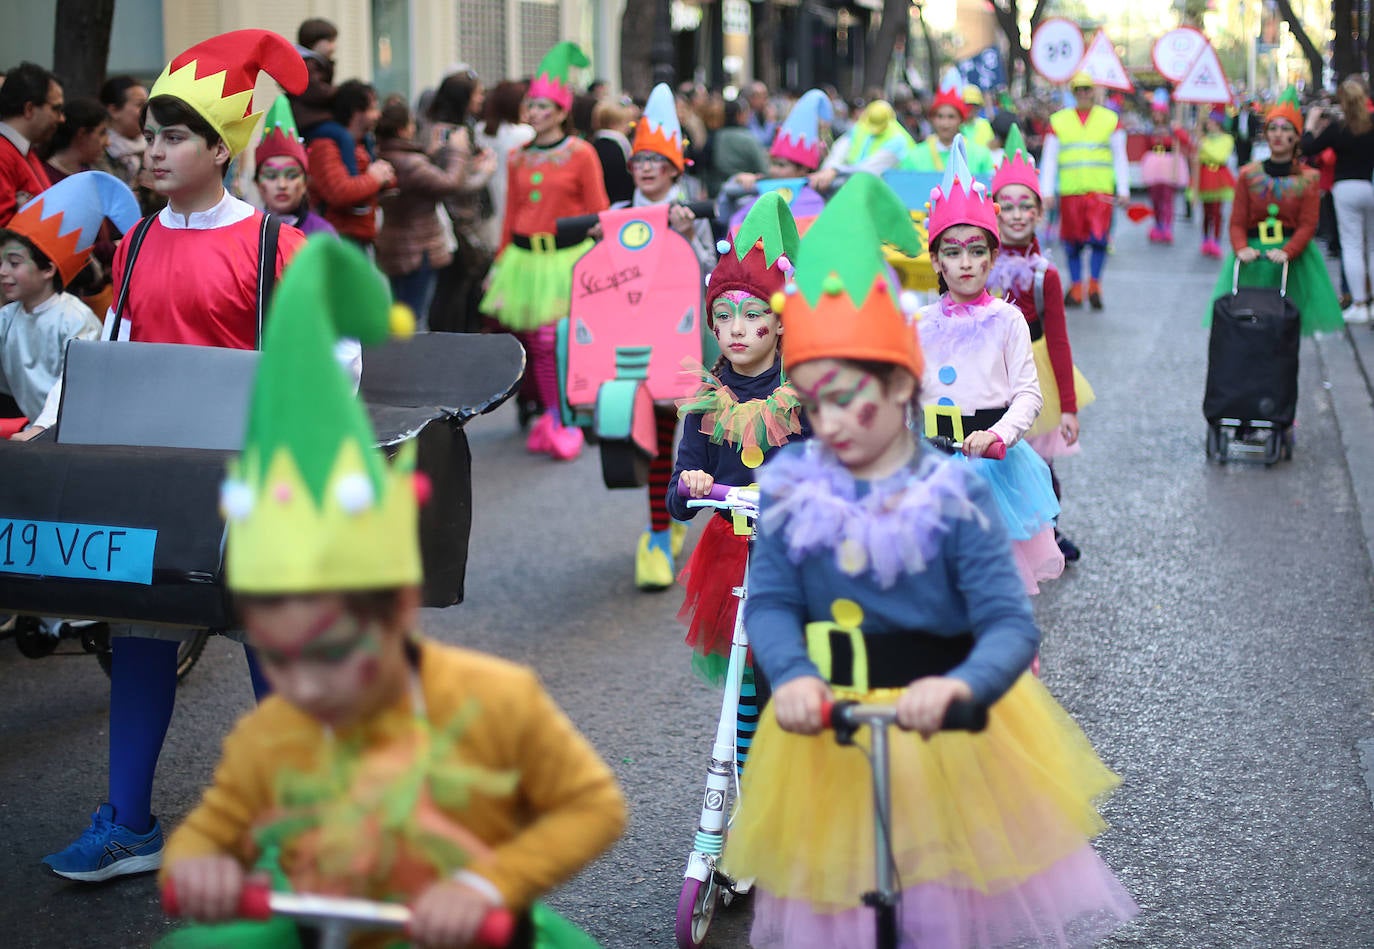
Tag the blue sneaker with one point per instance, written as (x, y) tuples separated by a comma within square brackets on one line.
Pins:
[(108, 850)]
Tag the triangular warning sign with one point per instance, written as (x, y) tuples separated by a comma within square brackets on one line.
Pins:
[(1102, 63), (1204, 83)]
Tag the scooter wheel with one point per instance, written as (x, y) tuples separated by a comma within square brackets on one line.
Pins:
[(696, 908), (33, 641)]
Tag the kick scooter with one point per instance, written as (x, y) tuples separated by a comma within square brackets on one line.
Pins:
[(335, 917), (846, 718), (704, 884)]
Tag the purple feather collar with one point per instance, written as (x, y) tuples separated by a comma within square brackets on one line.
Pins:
[(895, 528)]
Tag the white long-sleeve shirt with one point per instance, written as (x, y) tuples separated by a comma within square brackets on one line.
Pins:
[(33, 349), (981, 360)]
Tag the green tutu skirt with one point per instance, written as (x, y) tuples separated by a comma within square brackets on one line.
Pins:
[(1309, 287), (531, 288)]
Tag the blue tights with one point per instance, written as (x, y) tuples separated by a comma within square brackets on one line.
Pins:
[(143, 688), (1096, 260)]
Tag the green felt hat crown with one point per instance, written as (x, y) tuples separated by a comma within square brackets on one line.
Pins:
[(312, 504)]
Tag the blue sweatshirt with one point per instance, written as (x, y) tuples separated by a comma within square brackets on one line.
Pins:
[(696, 452), (970, 585)]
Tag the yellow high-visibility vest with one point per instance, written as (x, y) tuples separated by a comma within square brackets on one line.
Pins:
[(1085, 153)]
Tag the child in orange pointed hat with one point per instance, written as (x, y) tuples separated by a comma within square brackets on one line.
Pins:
[(980, 373), (881, 573), (43, 251)]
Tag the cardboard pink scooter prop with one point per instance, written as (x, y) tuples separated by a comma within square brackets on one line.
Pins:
[(635, 315)]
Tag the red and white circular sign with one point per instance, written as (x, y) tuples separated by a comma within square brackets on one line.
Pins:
[(1175, 52), (1057, 49)]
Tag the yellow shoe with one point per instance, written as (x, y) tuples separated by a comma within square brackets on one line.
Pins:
[(678, 538), (653, 561)]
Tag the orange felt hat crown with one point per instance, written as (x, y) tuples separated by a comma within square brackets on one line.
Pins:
[(842, 303), (658, 130), (1286, 108), (63, 221)]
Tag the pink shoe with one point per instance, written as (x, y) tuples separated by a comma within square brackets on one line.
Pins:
[(566, 442), (1166, 236), (1154, 235), (540, 439)]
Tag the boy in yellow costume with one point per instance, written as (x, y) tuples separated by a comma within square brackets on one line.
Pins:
[(385, 765)]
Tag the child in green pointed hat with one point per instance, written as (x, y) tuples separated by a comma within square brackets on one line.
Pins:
[(530, 286), (881, 574), (744, 411), (385, 765)]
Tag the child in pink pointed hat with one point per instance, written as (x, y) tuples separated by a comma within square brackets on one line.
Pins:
[(980, 386), (1022, 275), (530, 285)]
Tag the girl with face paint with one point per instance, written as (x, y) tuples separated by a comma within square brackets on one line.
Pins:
[(980, 380), (745, 409), (881, 573), (1023, 276)]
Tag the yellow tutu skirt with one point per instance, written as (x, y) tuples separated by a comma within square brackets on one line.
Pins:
[(530, 288), (1048, 419), (983, 811)]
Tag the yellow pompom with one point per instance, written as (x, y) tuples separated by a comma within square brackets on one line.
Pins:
[(777, 301), (402, 321), (751, 457)]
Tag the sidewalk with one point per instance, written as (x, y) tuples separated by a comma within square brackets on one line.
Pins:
[(1346, 361)]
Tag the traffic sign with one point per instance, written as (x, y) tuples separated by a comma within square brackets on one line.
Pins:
[(1057, 49)]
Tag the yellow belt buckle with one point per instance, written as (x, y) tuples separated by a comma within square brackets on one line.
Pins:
[(1271, 232), (543, 243), (743, 526), (933, 413), (818, 649)]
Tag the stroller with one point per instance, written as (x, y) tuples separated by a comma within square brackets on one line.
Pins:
[(1252, 373)]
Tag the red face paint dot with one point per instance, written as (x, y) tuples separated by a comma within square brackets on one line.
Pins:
[(761, 332), (867, 413)]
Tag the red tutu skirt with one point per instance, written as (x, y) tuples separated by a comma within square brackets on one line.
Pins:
[(1215, 183), (1085, 218), (715, 569)]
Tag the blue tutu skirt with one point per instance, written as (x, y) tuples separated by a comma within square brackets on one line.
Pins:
[(1022, 489)]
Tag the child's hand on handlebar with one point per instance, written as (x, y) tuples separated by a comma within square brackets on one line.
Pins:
[(699, 483), (976, 444), (207, 888), (922, 705), (1247, 255), (448, 915), (798, 705)]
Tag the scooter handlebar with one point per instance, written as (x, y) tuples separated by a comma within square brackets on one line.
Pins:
[(256, 902), (719, 492), (960, 716), (575, 228)]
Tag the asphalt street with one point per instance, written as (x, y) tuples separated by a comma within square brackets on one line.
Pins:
[(1215, 642)]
